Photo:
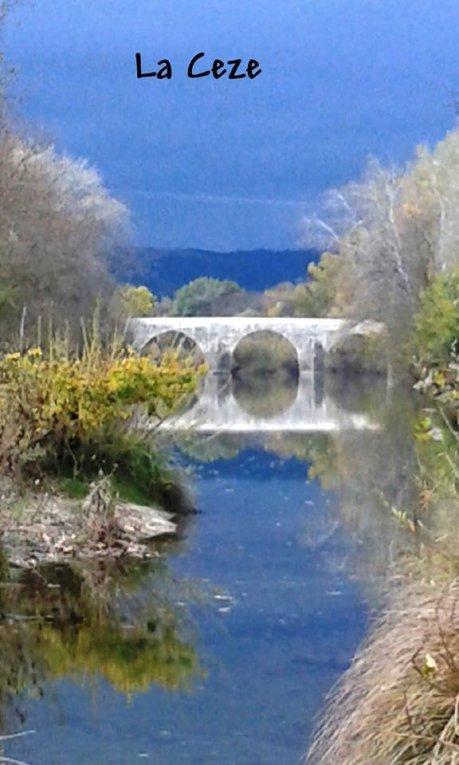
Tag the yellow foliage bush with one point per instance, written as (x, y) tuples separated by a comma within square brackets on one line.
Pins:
[(61, 401)]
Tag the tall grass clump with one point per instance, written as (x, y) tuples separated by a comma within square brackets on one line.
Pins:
[(399, 701), (68, 411)]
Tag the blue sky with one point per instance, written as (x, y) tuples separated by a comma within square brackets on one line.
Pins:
[(225, 165)]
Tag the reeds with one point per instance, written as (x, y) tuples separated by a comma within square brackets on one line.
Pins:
[(399, 701)]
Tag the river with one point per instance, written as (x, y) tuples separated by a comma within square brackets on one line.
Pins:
[(222, 648)]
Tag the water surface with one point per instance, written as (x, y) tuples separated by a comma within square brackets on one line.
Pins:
[(223, 648)]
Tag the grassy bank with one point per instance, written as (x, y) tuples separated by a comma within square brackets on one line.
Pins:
[(399, 701)]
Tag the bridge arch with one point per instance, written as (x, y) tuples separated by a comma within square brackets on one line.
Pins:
[(264, 349), (183, 343)]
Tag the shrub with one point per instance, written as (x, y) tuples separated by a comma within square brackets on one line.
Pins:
[(398, 703), (437, 323), (59, 407)]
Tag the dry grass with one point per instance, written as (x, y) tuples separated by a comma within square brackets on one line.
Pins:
[(399, 701)]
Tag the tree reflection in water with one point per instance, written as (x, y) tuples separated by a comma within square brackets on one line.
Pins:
[(90, 622)]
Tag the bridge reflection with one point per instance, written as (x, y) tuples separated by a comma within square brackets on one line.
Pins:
[(222, 406)]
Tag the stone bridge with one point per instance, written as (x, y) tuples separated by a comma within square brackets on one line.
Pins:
[(218, 336)]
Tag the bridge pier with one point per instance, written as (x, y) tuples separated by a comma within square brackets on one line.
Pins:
[(306, 357), (218, 358)]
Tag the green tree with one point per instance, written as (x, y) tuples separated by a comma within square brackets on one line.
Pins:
[(206, 297), (135, 301), (312, 298), (437, 322), (317, 296)]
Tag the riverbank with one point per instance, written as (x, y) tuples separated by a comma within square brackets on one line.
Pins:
[(42, 528), (79, 478), (399, 700)]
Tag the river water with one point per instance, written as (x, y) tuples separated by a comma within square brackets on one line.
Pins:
[(223, 648)]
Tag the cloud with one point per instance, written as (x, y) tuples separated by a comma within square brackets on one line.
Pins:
[(213, 198)]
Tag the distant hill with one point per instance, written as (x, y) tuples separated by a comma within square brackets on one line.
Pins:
[(164, 271)]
